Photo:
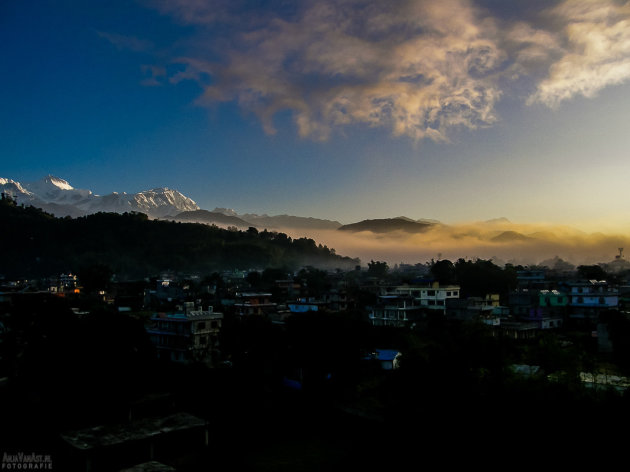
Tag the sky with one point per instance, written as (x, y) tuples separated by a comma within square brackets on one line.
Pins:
[(347, 110)]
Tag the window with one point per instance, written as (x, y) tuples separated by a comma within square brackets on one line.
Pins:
[(201, 325), (431, 293), (203, 340)]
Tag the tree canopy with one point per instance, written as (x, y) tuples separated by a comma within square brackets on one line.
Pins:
[(36, 244)]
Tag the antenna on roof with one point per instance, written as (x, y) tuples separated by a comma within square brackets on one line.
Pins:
[(620, 256)]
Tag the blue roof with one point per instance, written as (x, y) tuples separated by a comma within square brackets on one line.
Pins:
[(386, 354)]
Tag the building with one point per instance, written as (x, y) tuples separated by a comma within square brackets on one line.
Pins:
[(338, 300), (474, 308), (64, 283), (432, 297), (534, 310), (188, 336), (395, 310), (552, 299), (587, 299), (305, 304), (148, 440), (253, 303), (531, 279)]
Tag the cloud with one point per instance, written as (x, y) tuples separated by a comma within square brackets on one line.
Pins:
[(511, 242), (153, 75), (419, 68), (596, 38)]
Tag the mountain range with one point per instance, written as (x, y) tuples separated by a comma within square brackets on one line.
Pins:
[(58, 197), (398, 239)]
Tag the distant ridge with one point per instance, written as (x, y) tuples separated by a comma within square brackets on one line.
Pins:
[(288, 221), (387, 225), (500, 220), (210, 217), (510, 237), (281, 221)]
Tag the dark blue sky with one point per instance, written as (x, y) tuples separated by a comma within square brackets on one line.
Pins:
[(451, 110)]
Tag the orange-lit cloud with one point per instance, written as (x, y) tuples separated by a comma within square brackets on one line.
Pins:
[(417, 67), (596, 52)]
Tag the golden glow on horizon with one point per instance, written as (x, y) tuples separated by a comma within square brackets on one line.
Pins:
[(505, 241)]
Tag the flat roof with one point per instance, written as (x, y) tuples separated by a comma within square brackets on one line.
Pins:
[(110, 435)]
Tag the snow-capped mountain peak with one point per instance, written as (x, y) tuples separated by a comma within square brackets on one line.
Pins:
[(13, 188), (57, 196), (52, 189), (57, 182)]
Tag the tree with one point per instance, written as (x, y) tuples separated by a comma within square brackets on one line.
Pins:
[(378, 269), (444, 272), (482, 277), (314, 281), (591, 272)]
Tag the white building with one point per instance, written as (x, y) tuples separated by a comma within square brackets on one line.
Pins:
[(432, 297)]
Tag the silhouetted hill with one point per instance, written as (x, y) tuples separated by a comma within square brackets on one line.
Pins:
[(387, 225), (34, 244), (498, 221), (288, 221), (210, 217), (510, 237)]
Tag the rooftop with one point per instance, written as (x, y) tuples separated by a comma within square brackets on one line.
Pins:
[(110, 435)]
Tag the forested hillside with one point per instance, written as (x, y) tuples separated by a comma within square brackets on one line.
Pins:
[(34, 243)]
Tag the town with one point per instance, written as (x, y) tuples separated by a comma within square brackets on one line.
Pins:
[(314, 235), (260, 367)]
